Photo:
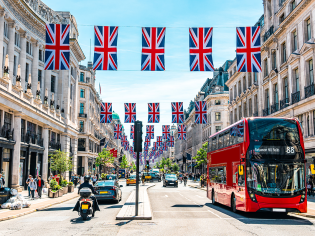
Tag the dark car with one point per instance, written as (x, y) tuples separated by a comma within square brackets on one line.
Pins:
[(108, 190), (170, 180)]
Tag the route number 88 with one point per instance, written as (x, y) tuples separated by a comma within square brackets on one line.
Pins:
[(290, 150)]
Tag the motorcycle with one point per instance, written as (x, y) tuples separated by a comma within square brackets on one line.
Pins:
[(86, 203)]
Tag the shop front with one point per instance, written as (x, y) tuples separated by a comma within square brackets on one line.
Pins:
[(6, 156)]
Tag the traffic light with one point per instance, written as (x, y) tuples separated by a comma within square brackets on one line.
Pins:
[(138, 136), (148, 165)]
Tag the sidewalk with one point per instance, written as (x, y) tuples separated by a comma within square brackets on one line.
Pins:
[(36, 205), (195, 185), (127, 212)]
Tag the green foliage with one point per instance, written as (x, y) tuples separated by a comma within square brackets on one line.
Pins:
[(70, 183), (63, 183), (54, 185), (169, 171), (60, 162), (124, 163), (103, 175), (168, 163), (175, 167), (201, 156), (104, 157), (133, 166)]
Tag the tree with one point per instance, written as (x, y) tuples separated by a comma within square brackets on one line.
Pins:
[(175, 167), (124, 162), (168, 163), (162, 163), (133, 166), (60, 162), (201, 156), (104, 157)]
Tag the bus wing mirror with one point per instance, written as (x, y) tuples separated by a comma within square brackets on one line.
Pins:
[(313, 169), (240, 170)]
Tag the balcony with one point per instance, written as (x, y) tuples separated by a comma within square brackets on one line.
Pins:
[(284, 103), (266, 112), (81, 149), (309, 90), (54, 145), (82, 115), (6, 133), (268, 33), (274, 108), (296, 97)]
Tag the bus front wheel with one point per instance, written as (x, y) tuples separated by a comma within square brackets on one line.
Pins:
[(233, 203), (213, 199)]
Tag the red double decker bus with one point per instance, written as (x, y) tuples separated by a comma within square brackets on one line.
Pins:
[(257, 164)]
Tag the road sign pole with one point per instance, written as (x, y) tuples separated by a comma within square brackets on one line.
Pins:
[(137, 185)]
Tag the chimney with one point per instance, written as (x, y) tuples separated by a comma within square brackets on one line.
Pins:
[(90, 64)]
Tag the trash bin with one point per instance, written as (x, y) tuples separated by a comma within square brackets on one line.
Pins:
[(4, 195)]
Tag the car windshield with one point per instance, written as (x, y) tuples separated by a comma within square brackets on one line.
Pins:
[(272, 138), (170, 177), (275, 178), (111, 177), (104, 183), (132, 177)]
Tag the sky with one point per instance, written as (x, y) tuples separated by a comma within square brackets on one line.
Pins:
[(177, 83)]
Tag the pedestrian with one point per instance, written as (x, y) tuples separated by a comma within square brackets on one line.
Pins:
[(33, 186), (50, 177), (82, 179), (40, 185), (75, 180), (28, 187), (2, 181), (94, 179), (143, 179), (185, 179), (310, 186)]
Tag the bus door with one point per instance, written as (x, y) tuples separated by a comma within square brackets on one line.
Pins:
[(239, 185)]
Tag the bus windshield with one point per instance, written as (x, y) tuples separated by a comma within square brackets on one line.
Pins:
[(276, 178), (274, 139)]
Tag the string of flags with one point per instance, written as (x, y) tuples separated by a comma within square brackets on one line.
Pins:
[(57, 48)]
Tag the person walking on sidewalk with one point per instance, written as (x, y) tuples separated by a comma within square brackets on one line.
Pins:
[(2, 181), (40, 186), (28, 187), (185, 180), (143, 178), (33, 186), (310, 186)]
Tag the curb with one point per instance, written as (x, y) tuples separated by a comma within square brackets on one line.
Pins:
[(304, 215), (34, 210), (196, 187)]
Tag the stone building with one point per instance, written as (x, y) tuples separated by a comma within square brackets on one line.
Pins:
[(215, 92), (285, 88), (40, 110)]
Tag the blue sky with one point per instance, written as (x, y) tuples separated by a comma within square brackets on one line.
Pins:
[(176, 84)]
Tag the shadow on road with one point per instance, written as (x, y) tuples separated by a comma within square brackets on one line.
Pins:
[(186, 205), (79, 220), (58, 209), (269, 218)]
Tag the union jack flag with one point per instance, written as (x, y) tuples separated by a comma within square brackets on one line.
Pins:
[(182, 132), (135, 155), (126, 146), (159, 141), (124, 140), (106, 112), (105, 49), (201, 112), (131, 149), (166, 132), (150, 131), (132, 131), (155, 146), (171, 142), (117, 131), (130, 112), (57, 48), (177, 112), (153, 40), (147, 142), (154, 113), (248, 49), (165, 147), (200, 49)]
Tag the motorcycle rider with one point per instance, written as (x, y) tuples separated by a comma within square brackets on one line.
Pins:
[(87, 184)]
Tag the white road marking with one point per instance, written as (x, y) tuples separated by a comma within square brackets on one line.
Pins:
[(199, 196), (166, 196)]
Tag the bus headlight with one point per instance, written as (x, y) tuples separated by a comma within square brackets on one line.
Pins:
[(252, 197), (302, 198)]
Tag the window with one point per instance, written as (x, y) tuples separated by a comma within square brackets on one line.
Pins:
[(293, 5), (218, 102), (256, 104), (276, 98), (250, 107), (217, 116), (284, 53), (267, 106), (281, 18), (5, 29), (226, 139), (221, 141), (255, 77), (22, 130), (82, 93), (14, 65), (300, 117), (240, 112), (81, 77), (294, 41), (7, 121), (40, 76), (311, 72), (239, 87), (82, 108), (266, 67), (297, 80), (308, 30), (217, 128), (28, 48), (71, 90), (249, 79), (17, 39), (314, 121), (274, 60), (81, 126), (27, 71), (308, 125), (244, 109), (286, 90), (244, 84), (52, 84), (40, 55)]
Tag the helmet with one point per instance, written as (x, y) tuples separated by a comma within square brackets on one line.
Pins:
[(87, 178)]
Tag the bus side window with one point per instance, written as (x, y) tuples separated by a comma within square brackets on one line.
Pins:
[(224, 171), (214, 143), (227, 139), (220, 141), (220, 177), (212, 174), (241, 178), (209, 144), (232, 138)]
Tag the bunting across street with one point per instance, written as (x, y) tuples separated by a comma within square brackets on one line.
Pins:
[(57, 48), (106, 113), (150, 131), (166, 132), (132, 131), (177, 112), (159, 141), (130, 112), (153, 112), (171, 141), (201, 112), (117, 131), (181, 132), (105, 49)]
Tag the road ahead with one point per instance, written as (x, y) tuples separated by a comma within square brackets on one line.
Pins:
[(176, 211)]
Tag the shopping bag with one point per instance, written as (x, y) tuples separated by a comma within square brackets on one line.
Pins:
[(36, 194), (45, 190)]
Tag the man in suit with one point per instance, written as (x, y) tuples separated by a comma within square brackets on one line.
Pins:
[(40, 186)]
